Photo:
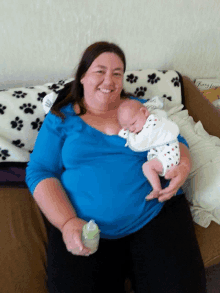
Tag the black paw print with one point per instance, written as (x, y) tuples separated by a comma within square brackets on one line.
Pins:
[(140, 91), (2, 109), (163, 71), (18, 143), (131, 78), (19, 94), (152, 78), (41, 96), (61, 82), (17, 123), (4, 154), (28, 108), (36, 124), (176, 81), (168, 98), (54, 87)]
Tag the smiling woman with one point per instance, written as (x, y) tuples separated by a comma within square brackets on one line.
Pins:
[(80, 170)]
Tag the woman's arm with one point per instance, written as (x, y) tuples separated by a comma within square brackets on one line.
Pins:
[(42, 177), (53, 202)]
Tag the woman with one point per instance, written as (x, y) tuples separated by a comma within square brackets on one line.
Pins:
[(80, 170)]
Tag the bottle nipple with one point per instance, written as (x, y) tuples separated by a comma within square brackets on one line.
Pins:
[(91, 226)]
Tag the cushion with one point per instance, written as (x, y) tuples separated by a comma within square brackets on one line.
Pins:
[(21, 116), (202, 187), (150, 82)]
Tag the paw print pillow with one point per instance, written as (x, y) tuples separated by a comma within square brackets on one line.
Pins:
[(147, 83), (21, 117)]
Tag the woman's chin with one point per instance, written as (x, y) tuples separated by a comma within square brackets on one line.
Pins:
[(108, 98)]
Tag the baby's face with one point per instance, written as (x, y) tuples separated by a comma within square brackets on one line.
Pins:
[(134, 119)]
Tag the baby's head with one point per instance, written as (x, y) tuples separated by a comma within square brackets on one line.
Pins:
[(132, 115)]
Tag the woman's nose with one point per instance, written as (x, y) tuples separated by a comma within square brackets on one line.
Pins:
[(108, 78)]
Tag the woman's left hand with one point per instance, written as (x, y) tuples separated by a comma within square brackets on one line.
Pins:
[(177, 175)]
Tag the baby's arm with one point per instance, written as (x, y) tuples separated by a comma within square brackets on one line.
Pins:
[(151, 170)]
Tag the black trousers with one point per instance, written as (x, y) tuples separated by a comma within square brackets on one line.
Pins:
[(161, 257)]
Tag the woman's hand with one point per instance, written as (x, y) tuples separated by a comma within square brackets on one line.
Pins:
[(177, 175), (72, 232)]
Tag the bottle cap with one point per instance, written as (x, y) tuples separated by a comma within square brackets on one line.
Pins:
[(90, 230)]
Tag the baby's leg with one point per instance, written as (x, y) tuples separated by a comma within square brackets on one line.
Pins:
[(151, 170)]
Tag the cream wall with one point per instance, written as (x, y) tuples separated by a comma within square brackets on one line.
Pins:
[(42, 40)]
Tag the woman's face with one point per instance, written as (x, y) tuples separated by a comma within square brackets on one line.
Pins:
[(103, 81)]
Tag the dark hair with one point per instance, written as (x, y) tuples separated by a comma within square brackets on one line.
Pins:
[(73, 92)]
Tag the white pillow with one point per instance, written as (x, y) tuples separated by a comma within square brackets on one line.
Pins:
[(21, 116), (202, 188)]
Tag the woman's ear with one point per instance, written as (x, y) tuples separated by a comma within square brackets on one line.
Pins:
[(82, 78)]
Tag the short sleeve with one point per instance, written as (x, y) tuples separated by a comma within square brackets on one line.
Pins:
[(182, 140), (46, 160)]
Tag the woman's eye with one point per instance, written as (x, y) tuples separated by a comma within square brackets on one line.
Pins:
[(117, 74)]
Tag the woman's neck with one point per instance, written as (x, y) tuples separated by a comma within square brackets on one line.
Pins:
[(102, 109)]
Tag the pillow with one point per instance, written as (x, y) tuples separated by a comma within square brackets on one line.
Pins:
[(21, 116), (202, 188), (148, 83)]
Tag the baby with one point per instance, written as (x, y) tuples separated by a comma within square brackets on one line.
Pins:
[(147, 131)]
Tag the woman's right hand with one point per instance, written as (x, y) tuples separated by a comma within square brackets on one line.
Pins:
[(72, 232)]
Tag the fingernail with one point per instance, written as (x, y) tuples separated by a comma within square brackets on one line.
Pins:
[(148, 198)]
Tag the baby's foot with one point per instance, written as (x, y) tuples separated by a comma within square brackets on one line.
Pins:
[(152, 195)]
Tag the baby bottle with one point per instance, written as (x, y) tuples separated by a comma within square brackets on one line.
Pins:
[(91, 236)]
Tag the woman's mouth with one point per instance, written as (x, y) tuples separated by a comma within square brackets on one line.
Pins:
[(105, 91)]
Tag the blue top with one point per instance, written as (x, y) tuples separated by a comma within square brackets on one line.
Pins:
[(102, 178)]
